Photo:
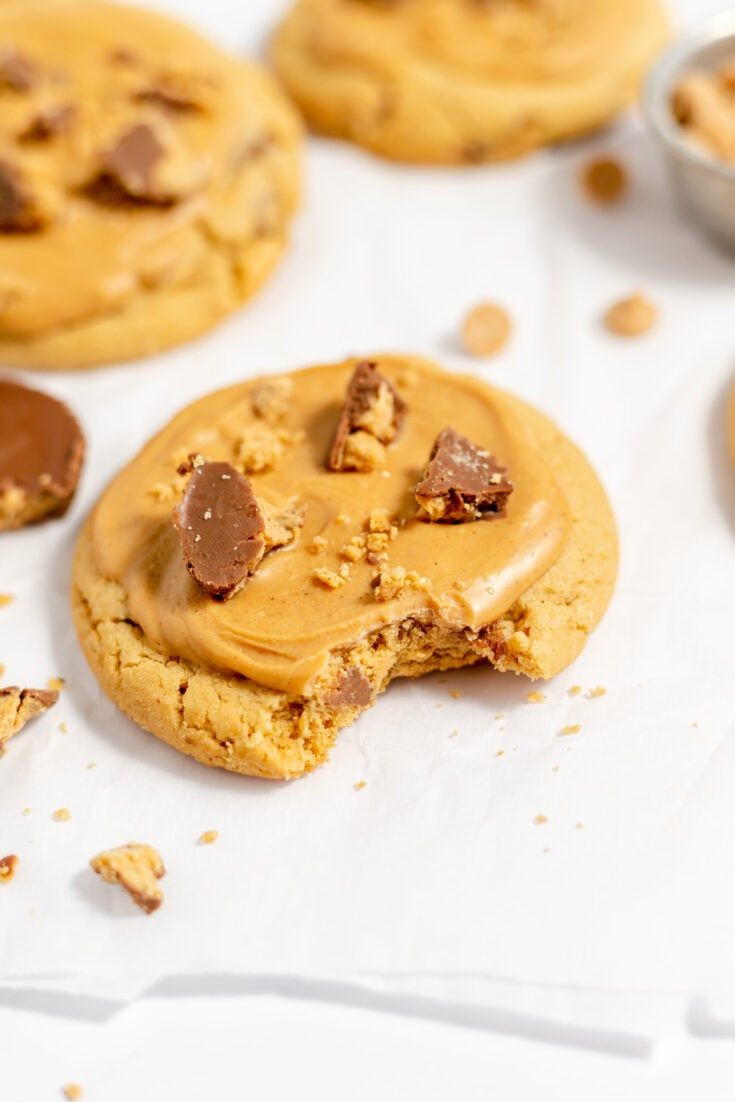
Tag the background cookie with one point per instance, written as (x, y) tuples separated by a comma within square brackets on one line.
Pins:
[(146, 182), (462, 81), (229, 720)]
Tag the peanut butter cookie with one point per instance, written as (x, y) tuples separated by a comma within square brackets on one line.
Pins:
[(245, 620), (147, 180), (464, 81)]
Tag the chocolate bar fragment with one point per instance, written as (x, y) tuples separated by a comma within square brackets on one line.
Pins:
[(371, 418), (221, 528), (127, 171), (19, 211), (461, 482)]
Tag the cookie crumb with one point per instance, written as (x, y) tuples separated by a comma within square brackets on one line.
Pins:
[(72, 1092), (571, 729), (270, 400), (486, 330), (396, 581), (56, 684), (63, 728), (208, 837), (535, 697), (605, 180), (62, 815), (575, 690), (631, 317), (579, 826), (26, 811), (135, 867), (499, 753), (555, 768), (91, 765), (596, 693), (8, 867), (454, 734), (539, 820), (328, 578), (359, 786), (6, 598), (455, 694), (317, 545)]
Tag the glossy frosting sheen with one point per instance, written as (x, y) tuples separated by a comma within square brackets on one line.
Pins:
[(280, 629)]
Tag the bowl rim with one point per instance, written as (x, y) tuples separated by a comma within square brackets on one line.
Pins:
[(659, 82)]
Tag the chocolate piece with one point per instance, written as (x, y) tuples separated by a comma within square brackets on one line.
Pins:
[(17, 74), (48, 123), (461, 482), (19, 212), (41, 455), (19, 706), (127, 169), (169, 97), (352, 691), (221, 528), (373, 412)]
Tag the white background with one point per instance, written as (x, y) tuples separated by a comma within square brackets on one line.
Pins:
[(416, 249)]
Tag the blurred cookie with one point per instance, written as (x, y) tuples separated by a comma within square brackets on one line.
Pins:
[(244, 616), (41, 456), (464, 81), (147, 180)]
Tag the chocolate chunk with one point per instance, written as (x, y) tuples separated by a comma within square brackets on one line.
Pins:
[(221, 528), (17, 73), (371, 418), (461, 482), (41, 455), (352, 691), (19, 213), (169, 97), (127, 169), (48, 123)]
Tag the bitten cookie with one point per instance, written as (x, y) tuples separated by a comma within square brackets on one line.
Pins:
[(147, 181), (286, 547), (464, 81)]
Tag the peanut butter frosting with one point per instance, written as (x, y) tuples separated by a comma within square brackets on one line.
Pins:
[(310, 599), (134, 157)]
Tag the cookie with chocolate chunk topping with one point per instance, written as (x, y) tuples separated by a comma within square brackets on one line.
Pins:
[(121, 146), (461, 482)]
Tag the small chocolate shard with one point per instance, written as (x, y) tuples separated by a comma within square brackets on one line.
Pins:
[(20, 706), (371, 418), (127, 169), (17, 73), (221, 528), (353, 690), (41, 456), (48, 123), (19, 212), (461, 482)]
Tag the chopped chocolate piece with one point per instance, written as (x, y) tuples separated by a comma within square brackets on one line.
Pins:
[(352, 691), (169, 97), (461, 482), (127, 169), (19, 212), (41, 455), (48, 123), (221, 529), (17, 74), (20, 706), (135, 867), (373, 412)]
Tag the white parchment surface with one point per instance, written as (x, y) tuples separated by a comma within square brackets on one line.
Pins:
[(434, 878)]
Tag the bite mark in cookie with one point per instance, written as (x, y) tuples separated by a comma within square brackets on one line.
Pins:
[(135, 867), (371, 418), (461, 482)]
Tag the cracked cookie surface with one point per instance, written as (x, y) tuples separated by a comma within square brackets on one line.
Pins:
[(262, 683), (147, 182), (464, 81)]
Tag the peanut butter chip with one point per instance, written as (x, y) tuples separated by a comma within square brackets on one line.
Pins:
[(221, 528), (8, 867), (135, 867), (461, 482), (486, 330), (371, 418), (605, 181), (631, 317)]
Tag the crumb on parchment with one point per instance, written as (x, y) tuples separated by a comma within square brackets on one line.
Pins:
[(208, 837), (135, 867), (535, 697), (8, 867)]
